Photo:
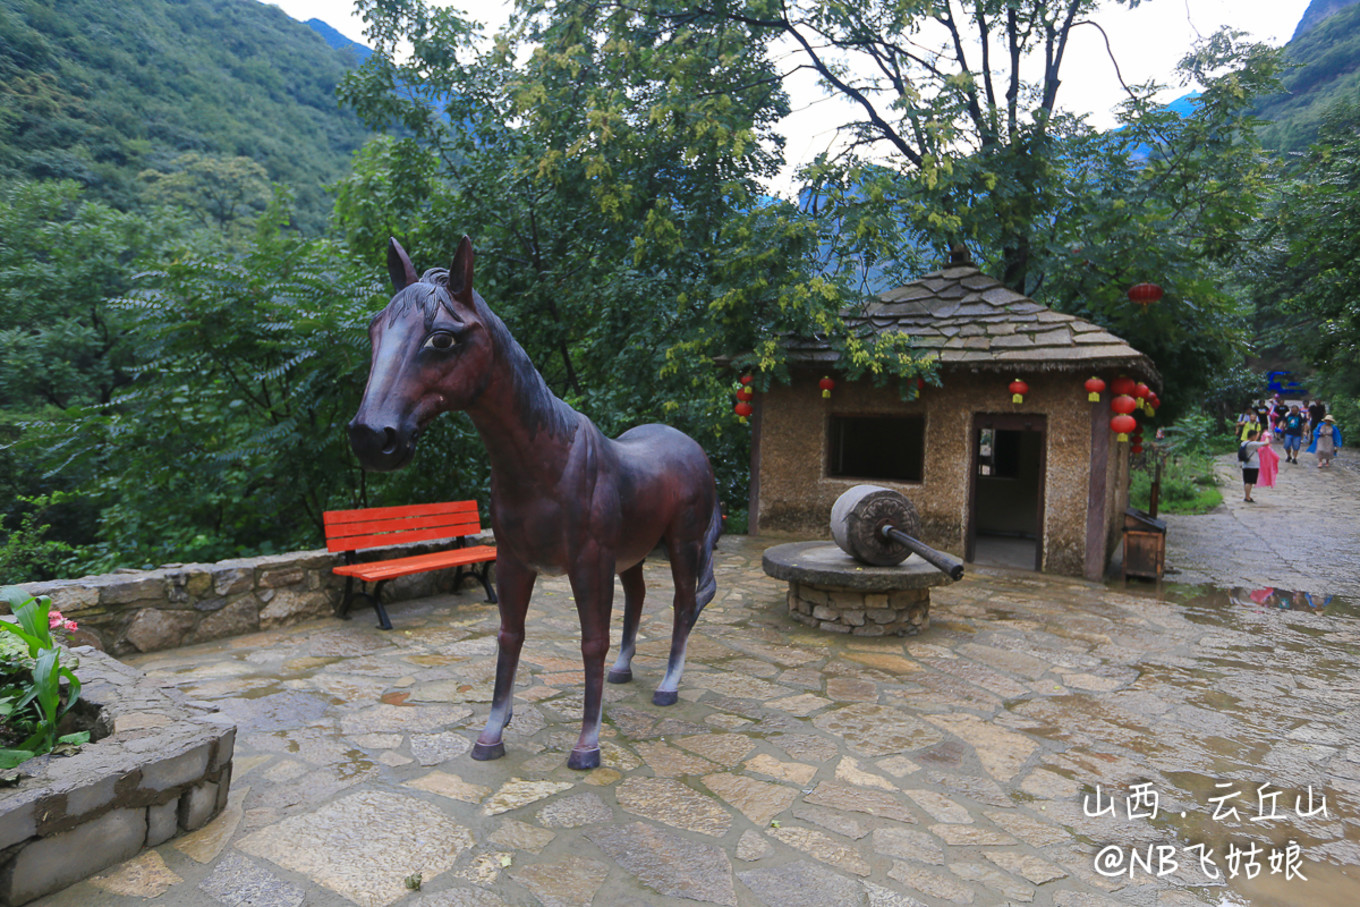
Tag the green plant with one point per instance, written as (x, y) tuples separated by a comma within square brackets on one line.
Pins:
[(32, 701), (1187, 483)]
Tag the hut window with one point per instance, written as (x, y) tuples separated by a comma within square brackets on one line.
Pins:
[(877, 447)]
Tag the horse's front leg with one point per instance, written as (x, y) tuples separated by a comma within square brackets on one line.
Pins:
[(592, 583), (514, 585), (684, 573), (634, 590)]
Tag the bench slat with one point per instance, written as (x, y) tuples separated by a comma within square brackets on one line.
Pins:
[(393, 532), (454, 521), (385, 539), (336, 517), (420, 563)]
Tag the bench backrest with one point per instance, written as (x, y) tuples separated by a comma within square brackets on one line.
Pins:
[(379, 527)]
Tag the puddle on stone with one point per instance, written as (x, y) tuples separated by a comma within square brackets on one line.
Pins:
[(1262, 599)]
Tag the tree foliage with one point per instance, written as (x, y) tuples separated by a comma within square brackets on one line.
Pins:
[(608, 166), (1309, 264), (62, 256)]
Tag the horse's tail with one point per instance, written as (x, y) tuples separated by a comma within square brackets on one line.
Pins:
[(707, 586)]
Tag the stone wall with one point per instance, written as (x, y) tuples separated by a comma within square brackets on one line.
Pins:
[(183, 604), (904, 612), (159, 766)]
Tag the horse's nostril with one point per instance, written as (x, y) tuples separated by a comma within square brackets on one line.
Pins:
[(390, 439)]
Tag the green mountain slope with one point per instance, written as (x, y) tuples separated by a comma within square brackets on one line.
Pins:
[(97, 92), (1326, 60)]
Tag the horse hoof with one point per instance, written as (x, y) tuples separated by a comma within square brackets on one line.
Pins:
[(665, 697), (484, 752), (624, 676), (584, 759)]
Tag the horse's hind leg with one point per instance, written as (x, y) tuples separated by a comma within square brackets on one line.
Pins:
[(684, 569), (516, 584), (633, 592)]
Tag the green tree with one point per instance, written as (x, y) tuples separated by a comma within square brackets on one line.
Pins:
[(609, 168), (955, 141), (1309, 265), (223, 190), (61, 257)]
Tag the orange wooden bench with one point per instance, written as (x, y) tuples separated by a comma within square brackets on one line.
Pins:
[(351, 531)]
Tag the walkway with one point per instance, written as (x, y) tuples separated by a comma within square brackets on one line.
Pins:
[(1037, 723), (1301, 535)]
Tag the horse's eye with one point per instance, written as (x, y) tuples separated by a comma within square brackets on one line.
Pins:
[(441, 341)]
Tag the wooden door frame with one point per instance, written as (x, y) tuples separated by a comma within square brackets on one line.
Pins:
[(1006, 422)]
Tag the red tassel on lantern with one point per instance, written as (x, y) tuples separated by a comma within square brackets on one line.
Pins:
[(1121, 425), (1093, 388), (826, 384), (1018, 390)]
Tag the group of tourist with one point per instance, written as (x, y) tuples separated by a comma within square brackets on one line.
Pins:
[(1265, 420)]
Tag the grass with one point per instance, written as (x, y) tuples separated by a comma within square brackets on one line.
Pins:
[(1188, 485)]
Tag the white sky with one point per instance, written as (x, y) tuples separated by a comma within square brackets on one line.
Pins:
[(1147, 42)]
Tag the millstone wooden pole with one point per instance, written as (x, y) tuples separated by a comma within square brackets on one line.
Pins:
[(877, 526)]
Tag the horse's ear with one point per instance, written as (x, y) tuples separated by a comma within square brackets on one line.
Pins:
[(399, 265), (460, 272)]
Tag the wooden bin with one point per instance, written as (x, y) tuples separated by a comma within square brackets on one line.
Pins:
[(1144, 545)]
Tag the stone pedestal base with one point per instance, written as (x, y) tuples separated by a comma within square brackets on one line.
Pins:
[(905, 612), (832, 591)]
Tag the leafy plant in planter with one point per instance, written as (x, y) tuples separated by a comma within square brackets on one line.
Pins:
[(32, 697)]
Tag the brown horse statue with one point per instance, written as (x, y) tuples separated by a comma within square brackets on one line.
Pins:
[(564, 498)]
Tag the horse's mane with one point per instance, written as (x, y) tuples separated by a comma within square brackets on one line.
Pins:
[(535, 402)]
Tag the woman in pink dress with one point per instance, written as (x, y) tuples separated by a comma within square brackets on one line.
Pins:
[(1270, 463)]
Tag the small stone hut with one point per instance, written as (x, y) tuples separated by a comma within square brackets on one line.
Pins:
[(1041, 484)]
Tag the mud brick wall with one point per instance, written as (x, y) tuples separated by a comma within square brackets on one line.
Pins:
[(183, 604)]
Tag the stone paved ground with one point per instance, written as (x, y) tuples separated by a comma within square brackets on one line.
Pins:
[(798, 768), (1302, 534)]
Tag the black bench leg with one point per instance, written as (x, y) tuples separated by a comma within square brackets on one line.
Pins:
[(342, 610), (485, 577), (376, 599)]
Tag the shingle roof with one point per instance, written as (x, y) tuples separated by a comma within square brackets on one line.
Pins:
[(970, 319)]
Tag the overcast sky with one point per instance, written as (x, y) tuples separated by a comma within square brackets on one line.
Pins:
[(1147, 42)]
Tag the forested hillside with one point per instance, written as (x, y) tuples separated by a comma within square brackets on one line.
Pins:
[(1325, 69), (101, 92)]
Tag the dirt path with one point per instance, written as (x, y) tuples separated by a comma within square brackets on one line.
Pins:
[(1301, 535)]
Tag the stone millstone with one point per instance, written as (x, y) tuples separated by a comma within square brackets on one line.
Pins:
[(859, 516)]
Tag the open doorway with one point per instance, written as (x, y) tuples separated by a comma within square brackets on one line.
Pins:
[(1006, 491)]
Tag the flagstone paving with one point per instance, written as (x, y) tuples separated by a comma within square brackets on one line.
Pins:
[(1037, 741)]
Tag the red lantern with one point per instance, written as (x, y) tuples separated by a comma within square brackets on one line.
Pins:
[(1122, 385), (1018, 390), (745, 379), (1136, 448), (743, 411), (744, 394), (1093, 388), (1123, 404), (826, 384), (1121, 425), (1145, 294)]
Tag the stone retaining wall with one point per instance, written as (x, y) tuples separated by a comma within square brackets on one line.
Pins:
[(905, 612), (183, 604), (159, 766)]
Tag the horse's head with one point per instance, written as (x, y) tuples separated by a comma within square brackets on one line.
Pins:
[(431, 353)]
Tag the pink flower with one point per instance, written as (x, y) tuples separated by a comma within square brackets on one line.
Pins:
[(54, 619), (68, 625)]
